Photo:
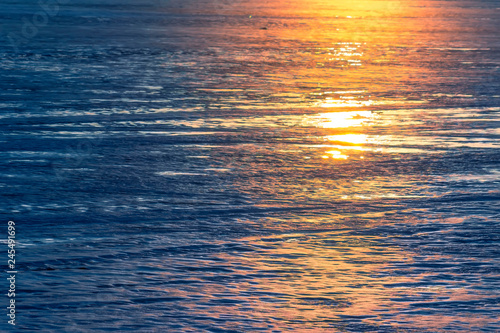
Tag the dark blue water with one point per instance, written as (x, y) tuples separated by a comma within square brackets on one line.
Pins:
[(232, 166)]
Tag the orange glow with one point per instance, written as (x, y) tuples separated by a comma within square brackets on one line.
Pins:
[(340, 119), (337, 81), (355, 139), (337, 154)]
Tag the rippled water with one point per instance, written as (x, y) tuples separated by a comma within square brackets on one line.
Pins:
[(233, 166)]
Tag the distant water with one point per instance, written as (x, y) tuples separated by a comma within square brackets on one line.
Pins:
[(252, 166)]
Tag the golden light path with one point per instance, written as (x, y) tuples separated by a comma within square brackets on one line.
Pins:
[(341, 112)]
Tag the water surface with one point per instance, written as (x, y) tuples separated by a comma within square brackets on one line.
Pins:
[(217, 166)]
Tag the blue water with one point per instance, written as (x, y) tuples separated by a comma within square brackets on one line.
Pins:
[(232, 166)]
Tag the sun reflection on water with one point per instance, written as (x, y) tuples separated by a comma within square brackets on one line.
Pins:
[(340, 119), (335, 154), (342, 134), (330, 102)]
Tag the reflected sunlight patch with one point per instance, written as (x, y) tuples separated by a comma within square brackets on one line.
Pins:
[(336, 154), (355, 139), (340, 119), (330, 102)]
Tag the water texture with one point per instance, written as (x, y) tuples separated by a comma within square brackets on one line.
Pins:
[(252, 166)]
